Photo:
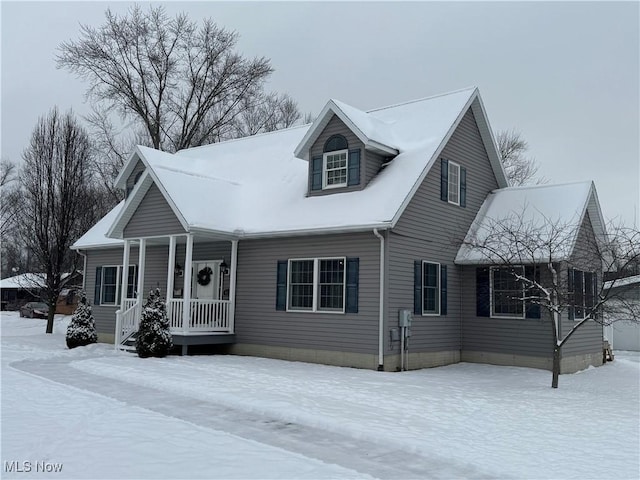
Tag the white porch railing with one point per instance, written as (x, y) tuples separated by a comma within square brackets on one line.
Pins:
[(127, 321), (206, 315)]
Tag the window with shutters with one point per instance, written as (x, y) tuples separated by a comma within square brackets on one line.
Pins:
[(110, 283), (316, 285), (507, 292), (336, 168), (430, 288)]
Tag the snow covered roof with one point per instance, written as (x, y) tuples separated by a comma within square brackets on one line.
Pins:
[(257, 186), (26, 280), (543, 210), (97, 235)]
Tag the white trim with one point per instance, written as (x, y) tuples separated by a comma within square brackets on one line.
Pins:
[(439, 297), (186, 294), (316, 285), (142, 258), (232, 285), (491, 292), (125, 261), (381, 302), (325, 171), (171, 266)]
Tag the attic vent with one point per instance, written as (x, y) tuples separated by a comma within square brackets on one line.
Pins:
[(335, 142)]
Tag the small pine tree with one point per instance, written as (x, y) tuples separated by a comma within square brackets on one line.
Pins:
[(82, 328), (154, 338)]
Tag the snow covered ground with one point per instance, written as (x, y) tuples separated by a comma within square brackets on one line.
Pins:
[(103, 414)]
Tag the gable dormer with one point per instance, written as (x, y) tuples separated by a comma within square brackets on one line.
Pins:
[(134, 176), (345, 148)]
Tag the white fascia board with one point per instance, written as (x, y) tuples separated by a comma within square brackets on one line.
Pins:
[(317, 126), (121, 179), (373, 145), (321, 122), (490, 146), (316, 231), (131, 204), (433, 158), (167, 197)]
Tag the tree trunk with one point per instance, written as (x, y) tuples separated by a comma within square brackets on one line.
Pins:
[(556, 367), (50, 315)]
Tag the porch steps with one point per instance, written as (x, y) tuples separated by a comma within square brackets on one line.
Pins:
[(129, 344)]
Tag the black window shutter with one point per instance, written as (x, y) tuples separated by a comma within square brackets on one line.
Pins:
[(353, 173), (96, 296), (444, 180), (570, 283), (417, 287), (463, 187), (532, 309), (316, 173), (281, 290), (443, 289), (482, 292), (353, 267)]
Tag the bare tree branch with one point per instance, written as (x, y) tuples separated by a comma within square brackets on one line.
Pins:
[(520, 169)]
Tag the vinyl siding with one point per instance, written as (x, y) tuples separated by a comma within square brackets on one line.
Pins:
[(155, 276), (257, 320), (336, 126), (153, 217), (155, 272), (431, 230), (371, 165), (527, 336), (588, 339)]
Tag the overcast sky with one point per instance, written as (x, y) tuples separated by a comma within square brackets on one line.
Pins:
[(566, 75)]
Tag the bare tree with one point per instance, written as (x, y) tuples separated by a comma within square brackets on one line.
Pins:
[(8, 192), (183, 84), (56, 198), (520, 169), (538, 256)]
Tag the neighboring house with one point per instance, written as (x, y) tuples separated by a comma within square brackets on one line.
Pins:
[(624, 333), (27, 287), (308, 243)]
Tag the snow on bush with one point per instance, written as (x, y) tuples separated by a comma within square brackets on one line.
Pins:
[(154, 338), (82, 328)]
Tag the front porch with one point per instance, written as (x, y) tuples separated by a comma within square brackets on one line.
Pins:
[(199, 313)]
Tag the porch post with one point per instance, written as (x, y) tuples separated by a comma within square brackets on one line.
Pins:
[(125, 273), (142, 252), (171, 267), (232, 285), (186, 302)]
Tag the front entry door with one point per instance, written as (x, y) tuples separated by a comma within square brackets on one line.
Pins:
[(211, 290)]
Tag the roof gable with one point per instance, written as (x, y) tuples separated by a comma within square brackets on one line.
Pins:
[(256, 186), (372, 132), (537, 209)]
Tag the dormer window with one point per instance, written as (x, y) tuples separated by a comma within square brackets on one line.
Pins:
[(335, 169)]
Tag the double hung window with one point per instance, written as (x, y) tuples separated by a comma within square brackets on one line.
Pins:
[(316, 284)]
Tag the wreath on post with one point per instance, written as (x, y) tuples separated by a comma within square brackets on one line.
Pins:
[(204, 276)]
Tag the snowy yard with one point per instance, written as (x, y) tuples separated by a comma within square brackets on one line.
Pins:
[(102, 414)]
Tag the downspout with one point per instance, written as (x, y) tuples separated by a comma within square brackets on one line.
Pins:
[(381, 311)]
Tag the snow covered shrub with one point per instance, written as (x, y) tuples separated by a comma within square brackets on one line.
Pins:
[(82, 329), (154, 338)]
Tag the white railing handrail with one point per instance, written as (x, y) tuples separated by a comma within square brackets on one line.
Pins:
[(207, 315)]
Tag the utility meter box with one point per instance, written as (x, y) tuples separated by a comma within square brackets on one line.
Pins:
[(405, 317)]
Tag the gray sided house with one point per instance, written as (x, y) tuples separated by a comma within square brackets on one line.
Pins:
[(311, 243)]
